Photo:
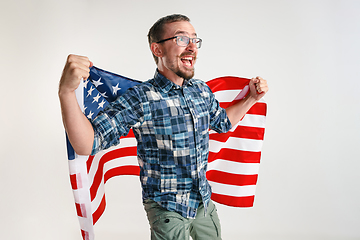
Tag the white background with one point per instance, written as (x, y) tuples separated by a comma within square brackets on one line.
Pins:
[(309, 51)]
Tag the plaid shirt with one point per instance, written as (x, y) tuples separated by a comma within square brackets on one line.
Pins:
[(171, 125)]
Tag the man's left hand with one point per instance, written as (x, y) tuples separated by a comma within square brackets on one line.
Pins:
[(258, 88)]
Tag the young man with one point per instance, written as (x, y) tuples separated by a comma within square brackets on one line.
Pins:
[(170, 116)]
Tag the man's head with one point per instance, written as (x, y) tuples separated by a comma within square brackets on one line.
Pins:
[(156, 32), (174, 44)]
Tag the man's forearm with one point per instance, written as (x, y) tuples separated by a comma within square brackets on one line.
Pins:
[(77, 126), (237, 111)]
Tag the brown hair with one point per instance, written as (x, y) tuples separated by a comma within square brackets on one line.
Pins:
[(156, 31)]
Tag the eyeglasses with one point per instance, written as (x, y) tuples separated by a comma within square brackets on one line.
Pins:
[(184, 41)]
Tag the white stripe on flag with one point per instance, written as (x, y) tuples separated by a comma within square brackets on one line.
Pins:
[(234, 167), (253, 120), (126, 142), (250, 120), (243, 144), (79, 93), (232, 190), (120, 162), (227, 95), (230, 95)]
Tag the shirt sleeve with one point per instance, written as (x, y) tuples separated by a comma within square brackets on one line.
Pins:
[(116, 120), (219, 121)]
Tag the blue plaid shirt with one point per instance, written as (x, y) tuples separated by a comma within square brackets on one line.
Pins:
[(171, 125)]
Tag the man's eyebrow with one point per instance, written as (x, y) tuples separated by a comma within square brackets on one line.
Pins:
[(184, 32)]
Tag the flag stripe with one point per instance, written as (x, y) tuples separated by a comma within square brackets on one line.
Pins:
[(78, 210), (233, 201), (230, 83), (85, 235), (99, 210), (234, 167), (124, 170), (232, 190), (242, 132), (231, 178), (73, 181), (252, 120), (235, 156), (251, 145), (227, 95), (130, 135), (258, 109)]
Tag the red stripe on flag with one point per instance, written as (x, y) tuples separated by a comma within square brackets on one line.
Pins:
[(81, 209), (78, 210), (89, 163), (116, 153), (123, 170), (73, 181), (233, 201), (240, 132), (227, 83), (258, 108), (235, 156), (85, 235), (100, 210), (231, 178), (130, 134)]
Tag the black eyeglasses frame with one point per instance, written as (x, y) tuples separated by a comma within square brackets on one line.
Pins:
[(198, 44)]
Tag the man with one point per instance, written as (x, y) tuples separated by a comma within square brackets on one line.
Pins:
[(170, 116)]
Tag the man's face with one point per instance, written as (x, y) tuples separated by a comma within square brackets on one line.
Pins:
[(177, 59)]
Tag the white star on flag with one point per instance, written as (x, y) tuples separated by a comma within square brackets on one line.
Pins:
[(96, 99), (97, 83), (90, 91), (101, 105), (115, 89), (90, 114), (104, 95), (85, 83)]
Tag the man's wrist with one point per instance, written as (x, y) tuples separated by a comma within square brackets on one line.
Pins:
[(249, 99)]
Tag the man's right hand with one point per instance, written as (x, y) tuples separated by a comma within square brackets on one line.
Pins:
[(76, 68)]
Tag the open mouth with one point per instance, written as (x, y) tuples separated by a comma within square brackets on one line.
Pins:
[(188, 61)]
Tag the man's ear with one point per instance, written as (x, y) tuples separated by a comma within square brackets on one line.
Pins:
[(156, 49)]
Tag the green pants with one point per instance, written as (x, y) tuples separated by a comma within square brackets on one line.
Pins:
[(167, 225)]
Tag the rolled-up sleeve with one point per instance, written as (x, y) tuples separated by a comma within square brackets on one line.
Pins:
[(116, 120)]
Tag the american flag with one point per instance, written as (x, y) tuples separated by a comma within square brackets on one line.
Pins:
[(234, 157)]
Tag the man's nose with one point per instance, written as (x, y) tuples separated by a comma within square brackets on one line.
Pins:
[(191, 46)]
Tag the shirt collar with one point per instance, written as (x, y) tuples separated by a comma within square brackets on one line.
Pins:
[(165, 84)]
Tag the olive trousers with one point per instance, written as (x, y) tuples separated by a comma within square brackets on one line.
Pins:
[(168, 225)]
